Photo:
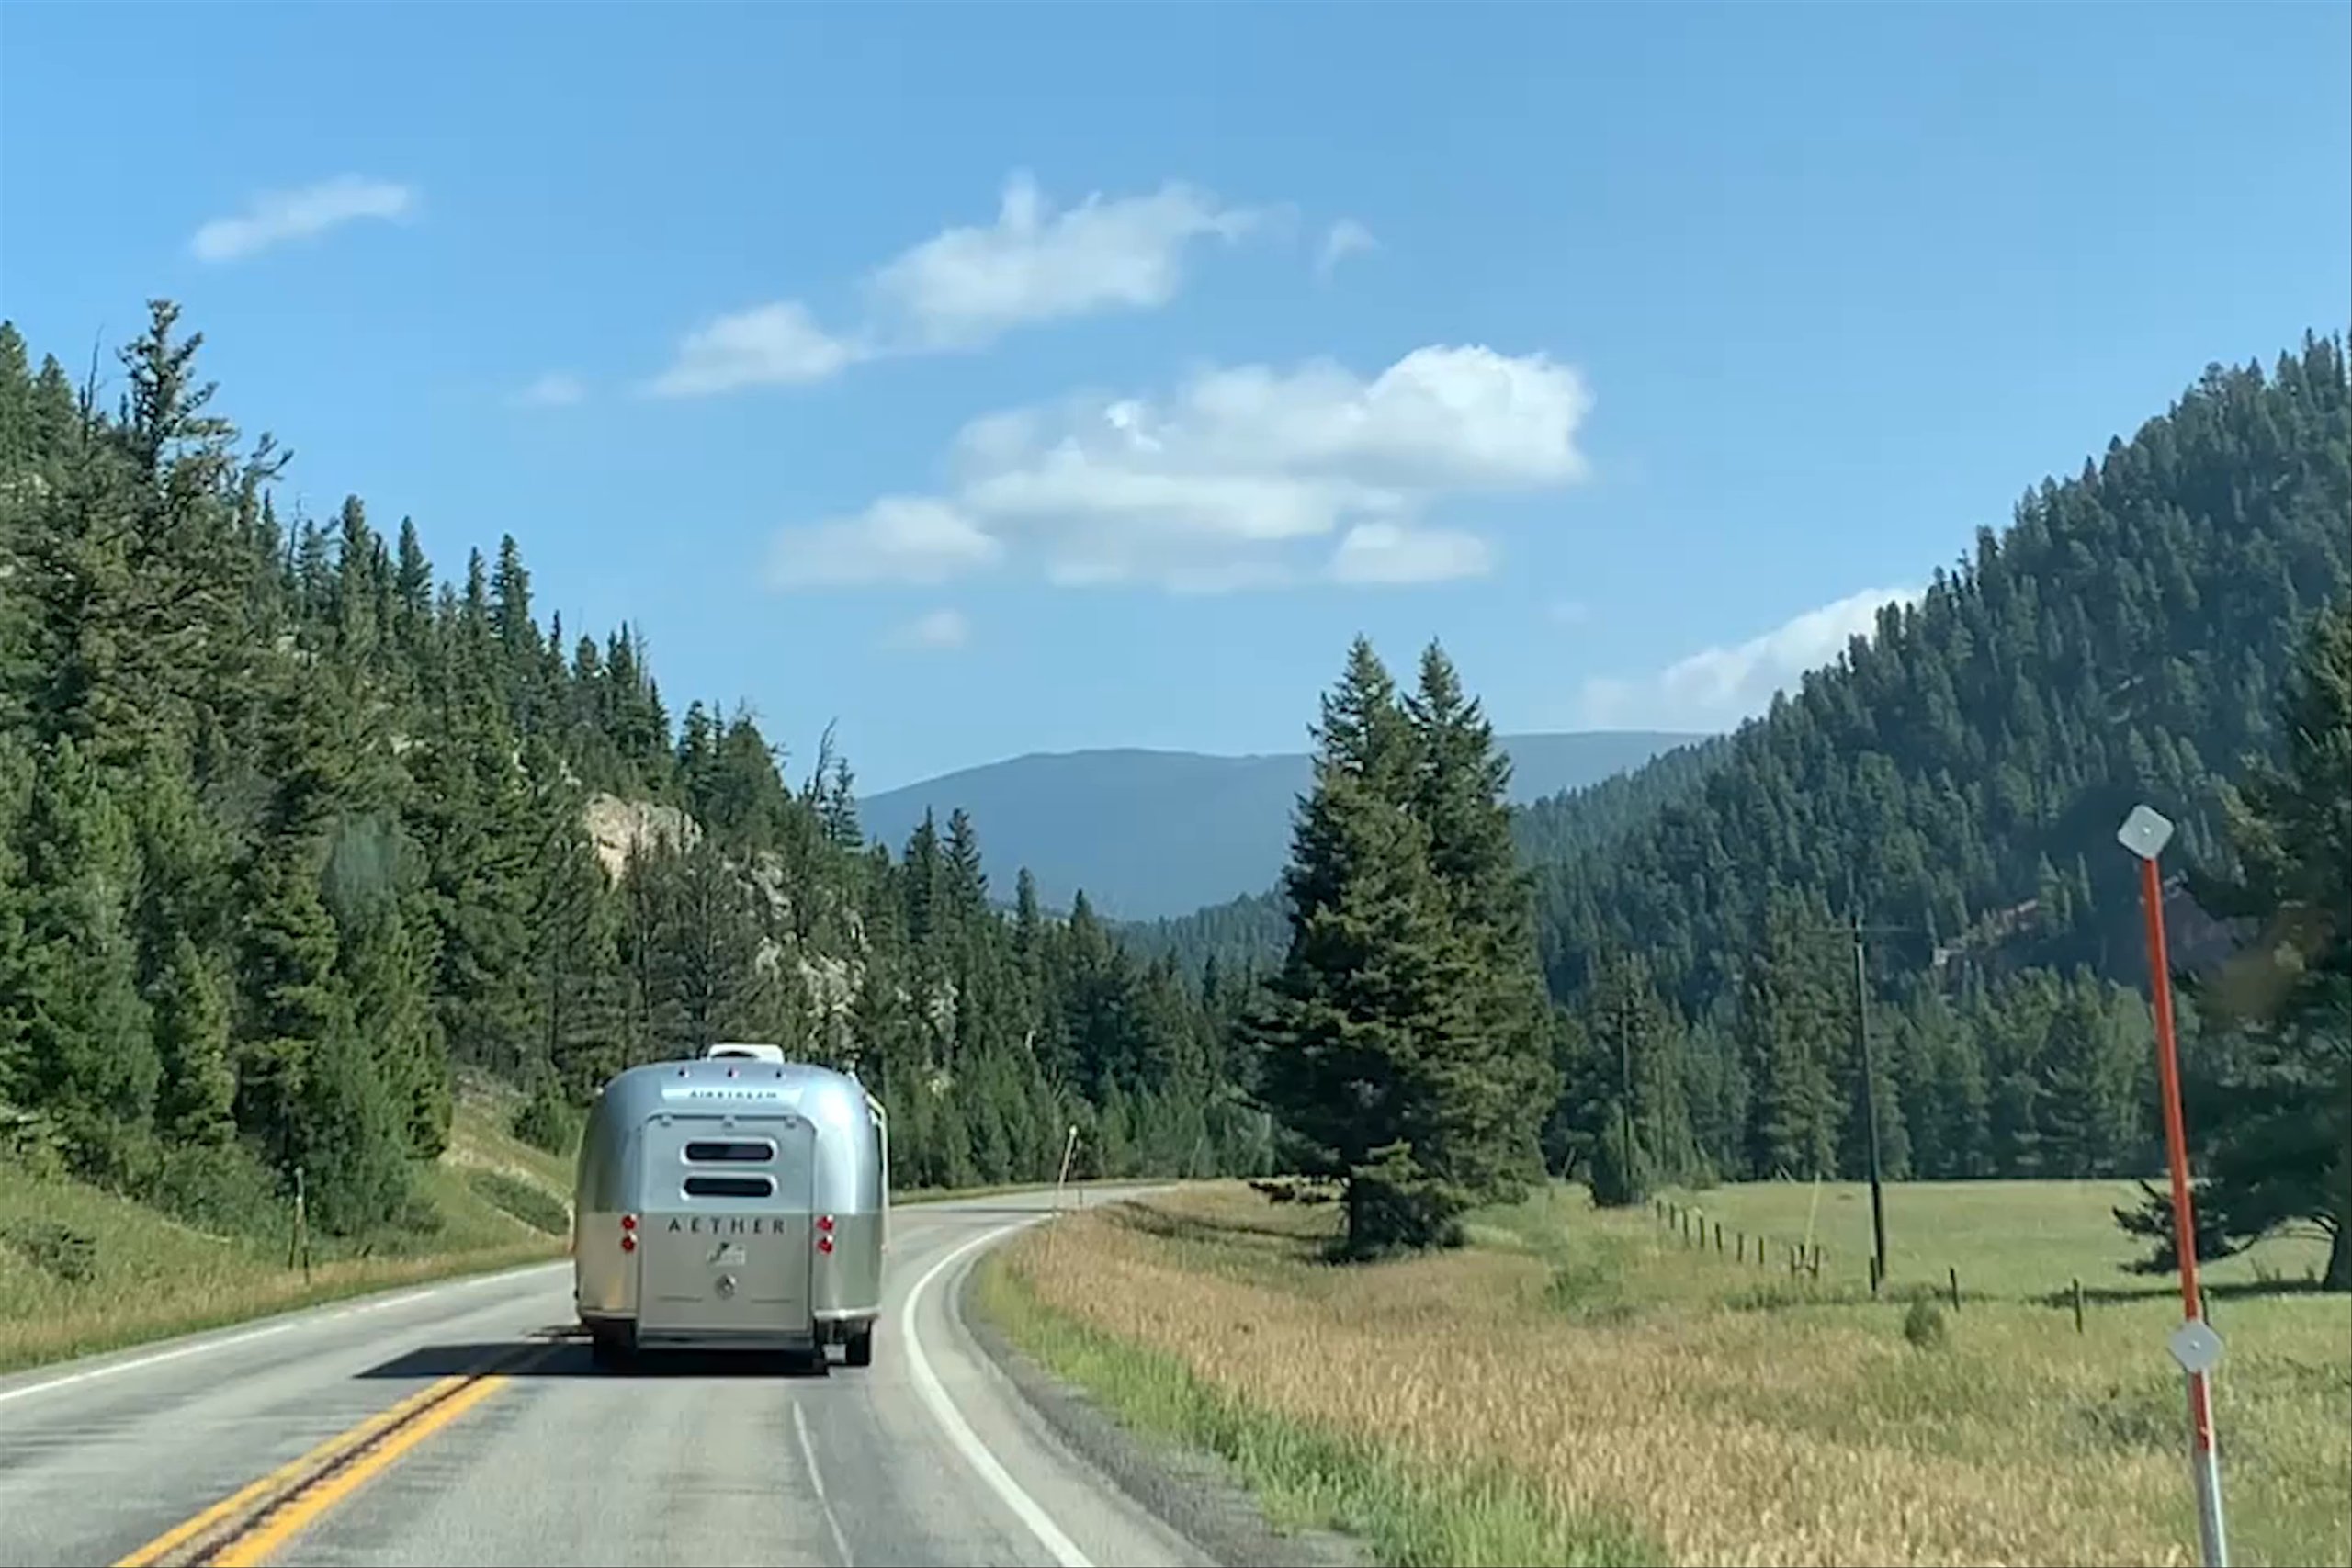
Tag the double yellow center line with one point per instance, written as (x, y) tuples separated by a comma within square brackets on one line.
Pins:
[(244, 1529)]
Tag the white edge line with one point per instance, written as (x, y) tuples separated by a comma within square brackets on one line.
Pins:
[(817, 1480), (301, 1317), (943, 1409)]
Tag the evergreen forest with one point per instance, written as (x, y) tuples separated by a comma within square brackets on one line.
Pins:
[(296, 833)]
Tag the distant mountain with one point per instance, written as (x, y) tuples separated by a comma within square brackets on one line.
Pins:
[(1154, 833)]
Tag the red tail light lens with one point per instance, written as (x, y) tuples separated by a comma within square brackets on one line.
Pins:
[(824, 1244), (628, 1222), (825, 1223), (628, 1242)]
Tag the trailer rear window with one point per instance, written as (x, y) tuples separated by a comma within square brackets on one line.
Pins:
[(746, 1151), (730, 1186)]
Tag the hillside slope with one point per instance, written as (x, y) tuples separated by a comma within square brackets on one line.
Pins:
[(83, 1269), (1960, 775), (1217, 826), (2125, 640)]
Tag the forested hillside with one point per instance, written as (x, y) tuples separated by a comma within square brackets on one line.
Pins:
[(1961, 776), (290, 831), (1958, 777)]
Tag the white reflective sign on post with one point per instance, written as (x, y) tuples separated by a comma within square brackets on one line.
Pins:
[(2197, 1348), (2145, 833)]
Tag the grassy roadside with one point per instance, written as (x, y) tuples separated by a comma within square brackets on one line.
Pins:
[(82, 1270), (1303, 1475), (1581, 1387)]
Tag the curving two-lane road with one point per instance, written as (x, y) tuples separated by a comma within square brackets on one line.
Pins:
[(486, 1442)]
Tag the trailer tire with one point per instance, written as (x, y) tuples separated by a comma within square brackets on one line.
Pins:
[(611, 1350), (857, 1351)]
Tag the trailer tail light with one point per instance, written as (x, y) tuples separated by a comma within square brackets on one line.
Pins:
[(629, 1233), (824, 1233)]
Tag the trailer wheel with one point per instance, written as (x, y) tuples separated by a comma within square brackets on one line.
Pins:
[(611, 1350), (857, 1351)]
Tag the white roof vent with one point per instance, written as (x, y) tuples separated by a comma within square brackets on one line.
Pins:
[(757, 1053)]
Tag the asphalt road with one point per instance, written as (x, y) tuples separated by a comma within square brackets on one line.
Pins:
[(927, 1457)]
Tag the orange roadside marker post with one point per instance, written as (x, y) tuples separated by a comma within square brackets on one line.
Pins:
[(2194, 1344)]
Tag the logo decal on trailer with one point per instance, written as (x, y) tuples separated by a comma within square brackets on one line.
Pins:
[(726, 1225)]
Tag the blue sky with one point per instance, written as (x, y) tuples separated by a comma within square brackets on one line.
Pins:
[(991, 379)]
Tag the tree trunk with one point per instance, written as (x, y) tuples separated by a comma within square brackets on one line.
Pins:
[(2339, 1261)]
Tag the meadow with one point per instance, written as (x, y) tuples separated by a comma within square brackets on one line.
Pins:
[(1580, 1386)]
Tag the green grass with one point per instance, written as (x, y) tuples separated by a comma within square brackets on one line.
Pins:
[(1304, 1477), (2013, 1240)]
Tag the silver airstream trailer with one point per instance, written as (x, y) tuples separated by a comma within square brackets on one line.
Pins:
[(737, 1201)]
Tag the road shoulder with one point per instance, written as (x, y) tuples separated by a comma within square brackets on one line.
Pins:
[(1195, 1494)]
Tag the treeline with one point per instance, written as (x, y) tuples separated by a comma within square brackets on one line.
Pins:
[(291, 831), (1956, 779)]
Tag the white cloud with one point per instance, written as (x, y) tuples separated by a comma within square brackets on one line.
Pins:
[(1717, 687), (274, 217), (1568, 612), (1343, 240), (1388, 552), (553, 390), (966, 286), (940, 628), (1243, 475), (897, 539), (777, 345)]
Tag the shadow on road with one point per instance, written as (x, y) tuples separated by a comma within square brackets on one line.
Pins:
[(993, 1210), (569, 1359)]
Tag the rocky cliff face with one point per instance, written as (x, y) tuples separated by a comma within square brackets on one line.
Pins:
[(618, 826)]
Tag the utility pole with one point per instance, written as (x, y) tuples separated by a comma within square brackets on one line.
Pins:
[(1870, 1096), (1625, 1098)]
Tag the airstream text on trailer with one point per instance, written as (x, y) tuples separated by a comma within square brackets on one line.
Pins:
[(737, 1201)]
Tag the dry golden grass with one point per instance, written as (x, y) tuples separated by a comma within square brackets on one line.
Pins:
[(1667, 1397)]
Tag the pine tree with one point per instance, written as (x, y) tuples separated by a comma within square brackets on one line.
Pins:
[(198, 1088), (293, 998), (1459, 793), (2273, 1113), (1369, 1033), (1790, 1020), (1633, 1121), (71, 998)]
